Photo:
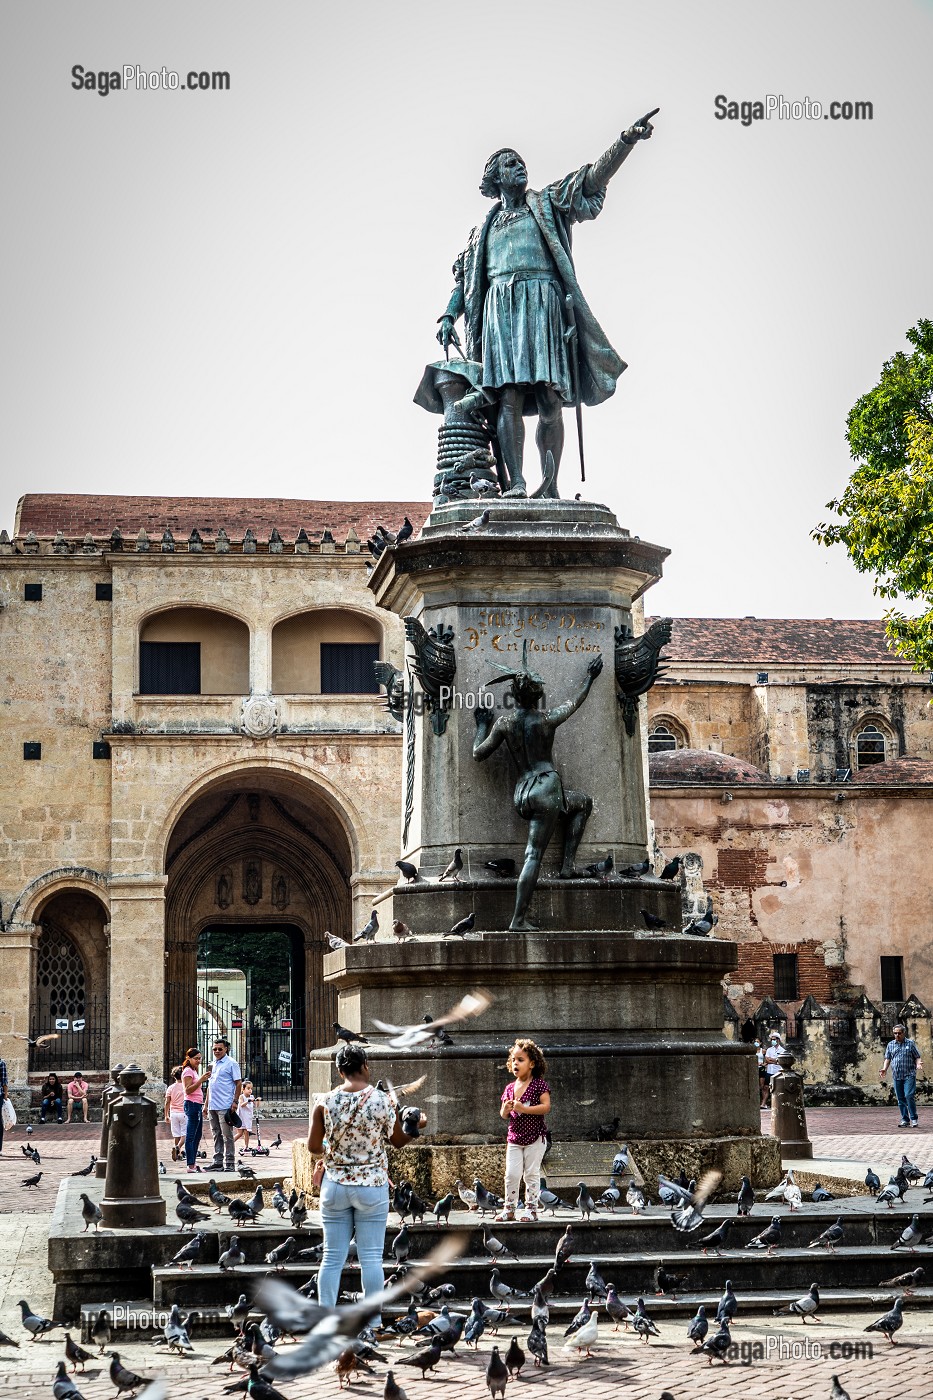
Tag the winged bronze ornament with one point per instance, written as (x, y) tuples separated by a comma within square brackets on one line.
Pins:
[(435, 665), (638, 666), (392, 681)]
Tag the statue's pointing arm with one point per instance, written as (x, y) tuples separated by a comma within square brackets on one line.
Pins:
[(601, 171), (559, 713)]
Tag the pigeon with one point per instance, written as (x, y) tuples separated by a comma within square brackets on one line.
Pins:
[(426, 1359), (462, 927), (605, 1132), (63, 1387), (635, 1198), (280, 1255), (837, 1392), (443, 1290), (746, 1197), (239, 1311), (32, 1153), (216, 1196), (496, 1249), (6, 1341), (368, 932), (233, 1256), (392, 1390), (401, 1245), (546, 1285), (873, 1182), (540, 1312), (889, 1195), (257, 1204), (716, 1239), (189, 1216), (651, 921), (32, 1180), (279, 1202), (496, 1371), (349, 1037), (405, 531), (909, 1236), (163, 1169), (246, 1173), (616, 1310), (75, 1354), (485, 1200), (820, 1193), (565, 1248), (90, 1213), (911, 1172), (240, 1212), (610, 1198), (537, 1343), (401, 931), (453, 869), (595, 1284), (668, 1283), (643, 1324), (504, 867), (190, 1251), (672, 869), (699, 1326), (299, 1212), (830, 1237), (548, 1200), (620, 1162), (585, 1203), (409, 871), (442, 1209), (717, 1345), (792, 1193), (514, 1358), (315, 1253), (634, 872), (407, 1037), (601, 868), (580, 1319), (728, 1304), (86, 1171), (500, 1291), (467, 1196), (769, 1238), (687, 1216), (584, 1337), (175, 1332), (906, 1281), (35, 1325), (672, 1193), (122, 1378), (100, 1332), (928, 1181), (703, 925), (478, 523), (804, 1307), (889, 1323)]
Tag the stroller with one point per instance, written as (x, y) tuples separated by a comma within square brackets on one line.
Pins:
[(258, 1150)]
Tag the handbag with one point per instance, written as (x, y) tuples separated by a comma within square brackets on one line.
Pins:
[(9, 1115), (317, 1175), (232, 1118)]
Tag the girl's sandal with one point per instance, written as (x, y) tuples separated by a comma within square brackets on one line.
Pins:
[(528, 1216), (503, 1215)]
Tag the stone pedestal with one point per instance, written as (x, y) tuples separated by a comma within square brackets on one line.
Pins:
[(788, 1115), (132, 1199)]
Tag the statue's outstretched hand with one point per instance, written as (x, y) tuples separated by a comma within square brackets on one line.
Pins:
[(484, 719), (642, 129), (595, 666), (447, 335)]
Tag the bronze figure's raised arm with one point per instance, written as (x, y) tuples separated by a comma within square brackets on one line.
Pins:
[(512, 283), (540, 797)]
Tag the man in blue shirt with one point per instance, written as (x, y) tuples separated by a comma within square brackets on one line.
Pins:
[(223, 1093), (904, 1058)]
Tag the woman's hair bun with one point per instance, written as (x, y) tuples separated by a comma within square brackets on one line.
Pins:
[(350, 1059)]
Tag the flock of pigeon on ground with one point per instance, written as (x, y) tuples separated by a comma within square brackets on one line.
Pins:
[(347, 1337), (504, 868)]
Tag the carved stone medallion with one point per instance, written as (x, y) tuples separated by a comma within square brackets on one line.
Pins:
[(259, 716)]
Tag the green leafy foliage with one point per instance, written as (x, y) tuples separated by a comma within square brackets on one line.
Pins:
[(885, 514), (265, 953)]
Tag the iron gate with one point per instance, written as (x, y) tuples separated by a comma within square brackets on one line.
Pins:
[(269, 1050), (81, 1038)]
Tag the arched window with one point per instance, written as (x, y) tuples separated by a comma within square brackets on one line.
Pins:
[(60, 976), (870, 746), (328, 651), (193, 651), (665, 735)]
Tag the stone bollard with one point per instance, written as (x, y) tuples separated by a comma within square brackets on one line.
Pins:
[(132, 1199), (112, 1091), (788, 1115)]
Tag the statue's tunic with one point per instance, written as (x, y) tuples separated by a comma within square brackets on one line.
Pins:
[(554, 210), (523, 316)]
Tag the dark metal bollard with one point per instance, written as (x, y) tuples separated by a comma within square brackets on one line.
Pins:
[(132, 1199), (788, 1115), (112, 1091)]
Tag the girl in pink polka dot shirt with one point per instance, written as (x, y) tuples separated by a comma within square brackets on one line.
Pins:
[(524, 1103)]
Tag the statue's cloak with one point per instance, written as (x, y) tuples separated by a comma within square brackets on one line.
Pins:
[(555, 209)]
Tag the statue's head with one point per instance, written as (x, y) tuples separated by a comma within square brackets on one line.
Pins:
[(504, 167), (527, 685)]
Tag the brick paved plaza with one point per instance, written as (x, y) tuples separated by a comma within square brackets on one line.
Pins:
[(621, 1363)]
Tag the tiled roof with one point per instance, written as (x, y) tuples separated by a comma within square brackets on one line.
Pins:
[(701, 766), (760, 641), (77, 516), (897, 770)]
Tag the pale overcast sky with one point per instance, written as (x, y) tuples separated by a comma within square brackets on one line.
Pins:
[(211, 293)]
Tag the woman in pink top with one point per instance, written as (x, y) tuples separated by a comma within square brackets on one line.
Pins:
[(524, 1103), (192, 1079), (175, 1113)]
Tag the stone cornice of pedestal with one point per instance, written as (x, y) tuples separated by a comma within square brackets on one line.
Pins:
[(536, 537)]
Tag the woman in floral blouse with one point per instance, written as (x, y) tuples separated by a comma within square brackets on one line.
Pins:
[(352, 1126)]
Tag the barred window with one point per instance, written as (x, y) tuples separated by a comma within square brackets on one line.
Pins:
[(786, 986), (892, 979), (870, 746)]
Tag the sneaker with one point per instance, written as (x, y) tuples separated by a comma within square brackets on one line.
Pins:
[(914, 1123), (903, 1123), (194, 1169)]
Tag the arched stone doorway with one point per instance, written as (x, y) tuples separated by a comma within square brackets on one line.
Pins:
[(70, 995), (258, 870)]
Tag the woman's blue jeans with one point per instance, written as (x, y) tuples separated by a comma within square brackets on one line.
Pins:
[(50, 1103), (347, 1211), (194, 1113)]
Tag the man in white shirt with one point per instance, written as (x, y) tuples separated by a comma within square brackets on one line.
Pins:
[(223, 1090)]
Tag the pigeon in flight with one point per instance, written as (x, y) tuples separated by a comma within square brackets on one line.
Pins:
[(406, 1037)]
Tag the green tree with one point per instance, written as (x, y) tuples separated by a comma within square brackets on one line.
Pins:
[(886, 511)]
